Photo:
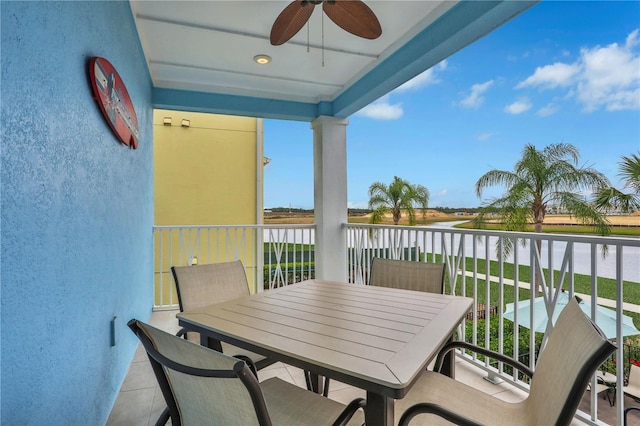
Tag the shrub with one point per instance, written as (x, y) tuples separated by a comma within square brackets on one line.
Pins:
[(508, 347)]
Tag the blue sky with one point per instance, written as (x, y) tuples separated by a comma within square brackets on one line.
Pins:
[(561, 72)]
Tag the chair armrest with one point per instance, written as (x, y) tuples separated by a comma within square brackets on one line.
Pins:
[(482, 351), (627, 411), (164, 417), (349, 411), (249, 362), (212, 343), (438, 410), (216, 346)]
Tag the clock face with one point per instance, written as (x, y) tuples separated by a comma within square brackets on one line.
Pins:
[(111, 95)]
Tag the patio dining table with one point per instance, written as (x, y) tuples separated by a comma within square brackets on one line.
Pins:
[(375, 338)]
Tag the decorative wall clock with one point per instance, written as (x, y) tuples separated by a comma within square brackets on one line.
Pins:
[(113, 99)]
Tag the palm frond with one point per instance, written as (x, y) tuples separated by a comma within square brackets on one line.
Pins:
[(540, 177), (612, 198), (630, 172), (378, 215), (584, 212), (495, 177), (398, 196)]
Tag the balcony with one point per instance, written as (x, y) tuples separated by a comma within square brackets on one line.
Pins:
[(275, 256)]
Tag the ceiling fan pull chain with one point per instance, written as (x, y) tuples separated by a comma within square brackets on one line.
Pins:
[(323, 39)]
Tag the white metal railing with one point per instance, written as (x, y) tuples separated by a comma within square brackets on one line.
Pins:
[(276, 255), (272, 255), (561, 261)]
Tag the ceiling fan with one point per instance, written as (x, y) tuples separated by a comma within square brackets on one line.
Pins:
[(351, 15)]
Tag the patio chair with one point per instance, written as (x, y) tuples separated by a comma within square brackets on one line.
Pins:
[(633, 386), (202, 285), (407, 274), (202, 386), (608, 390), (575, 349)]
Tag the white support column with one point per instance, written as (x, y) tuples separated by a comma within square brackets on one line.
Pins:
[(330, 196), (259, 233)]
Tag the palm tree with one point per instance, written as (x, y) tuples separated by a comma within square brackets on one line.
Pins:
[(612, 198), (399, 195), (540, 178)]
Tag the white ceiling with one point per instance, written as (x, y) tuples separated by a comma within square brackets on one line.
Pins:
[(207, 47)]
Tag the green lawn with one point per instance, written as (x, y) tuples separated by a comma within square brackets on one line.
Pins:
[(582, 284)]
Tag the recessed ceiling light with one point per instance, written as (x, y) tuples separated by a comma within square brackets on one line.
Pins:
[(262, 59)]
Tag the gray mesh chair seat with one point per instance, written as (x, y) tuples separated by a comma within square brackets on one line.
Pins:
[(202, 386), (407, 274), (567, 363)]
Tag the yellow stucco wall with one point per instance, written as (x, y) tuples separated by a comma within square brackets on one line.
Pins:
[(205, 174)]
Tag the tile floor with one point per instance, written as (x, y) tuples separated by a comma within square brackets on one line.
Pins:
[(140, 401)]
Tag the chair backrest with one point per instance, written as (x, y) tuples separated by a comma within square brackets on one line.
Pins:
[(202, 285), (202, 386), (407, 274), (574, 351)]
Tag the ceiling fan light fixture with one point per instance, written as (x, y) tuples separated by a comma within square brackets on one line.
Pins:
[(262, 59)]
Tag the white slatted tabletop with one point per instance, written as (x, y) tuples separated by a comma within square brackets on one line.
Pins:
[(375, 338)]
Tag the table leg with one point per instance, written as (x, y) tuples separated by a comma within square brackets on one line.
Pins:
[(204, 340), (379, 410), (214, 344), (316, 383)]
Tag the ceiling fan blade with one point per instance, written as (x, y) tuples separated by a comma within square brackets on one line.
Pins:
[(353, 16), (290, 21)]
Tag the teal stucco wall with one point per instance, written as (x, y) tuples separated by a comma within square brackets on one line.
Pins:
[(76, 212)]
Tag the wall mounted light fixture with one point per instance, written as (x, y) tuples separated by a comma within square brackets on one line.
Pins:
[(185, 122), (166, 121)]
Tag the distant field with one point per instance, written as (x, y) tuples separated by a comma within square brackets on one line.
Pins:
[(307, 218), (632, 220), (622, 225)]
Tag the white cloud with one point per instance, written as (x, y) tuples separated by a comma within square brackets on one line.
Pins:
[(441, 193), (518, 107), (358, 204), (551, 76), (632, 40), (427, 78), (611, 76), (484, 136), (474, 100), (548, 110), (602, 77), (382, 109)]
